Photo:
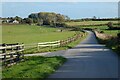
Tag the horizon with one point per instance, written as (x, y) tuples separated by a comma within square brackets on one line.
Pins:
[(74, 10)]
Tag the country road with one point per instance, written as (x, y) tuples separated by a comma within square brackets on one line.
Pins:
[(88, 60)]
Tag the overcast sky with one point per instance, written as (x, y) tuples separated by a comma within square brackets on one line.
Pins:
[(72, 9)]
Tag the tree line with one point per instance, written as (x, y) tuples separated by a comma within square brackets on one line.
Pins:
[(94, 19), (41, 18)]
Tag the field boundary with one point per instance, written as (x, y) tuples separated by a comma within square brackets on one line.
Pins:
[(11, 53), (52, 44)]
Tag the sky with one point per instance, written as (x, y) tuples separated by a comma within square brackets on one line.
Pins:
[(60, 0), (74, 10)]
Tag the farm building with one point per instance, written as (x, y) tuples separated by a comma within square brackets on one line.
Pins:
[(15, 21)]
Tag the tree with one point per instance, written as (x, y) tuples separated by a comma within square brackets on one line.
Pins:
[(34, 17), (67, 18), (94, 17), (60, 18), (47, 18), (118, 35), (18, 19), (28, 21), (110, 25)]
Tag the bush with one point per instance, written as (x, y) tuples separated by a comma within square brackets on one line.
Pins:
[(61, 25), (110, 25), (101, 31), (118, 35)]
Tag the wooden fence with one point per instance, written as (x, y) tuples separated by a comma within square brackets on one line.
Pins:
[(11, 53), (48, 44), (59, 43)]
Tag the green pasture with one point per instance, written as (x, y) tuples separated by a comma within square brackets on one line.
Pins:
[(95, 27), (32, 34), (51, 49), (111, 32), (104, 29), (88, 23)]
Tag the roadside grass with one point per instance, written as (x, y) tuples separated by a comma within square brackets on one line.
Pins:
[(73, 44), (111, 43), (35, 67), (29, 34)]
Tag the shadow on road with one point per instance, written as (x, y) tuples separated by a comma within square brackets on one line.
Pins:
[(89, 60)]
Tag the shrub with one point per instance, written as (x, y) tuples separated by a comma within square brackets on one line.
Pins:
[(118, 35), (101, 31), (110, 25), (61, 25)]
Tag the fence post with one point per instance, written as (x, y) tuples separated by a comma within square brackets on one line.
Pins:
[(38, 46), (11, 56), (18, 55), (60, 43), (66, 42), (4, 52), (22, 47)]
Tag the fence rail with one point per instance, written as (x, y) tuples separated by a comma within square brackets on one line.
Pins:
[(11, 53), (59, 42)]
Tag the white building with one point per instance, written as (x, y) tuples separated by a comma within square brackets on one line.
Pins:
[(15, 21)]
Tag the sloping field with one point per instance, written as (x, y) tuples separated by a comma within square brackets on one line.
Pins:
[(32, 34)]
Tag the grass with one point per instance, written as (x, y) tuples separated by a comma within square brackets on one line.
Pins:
[(34, 67), (110, 43), (31, 35), (73, 44), (88, 23), (96, 27), (111, 32), (101, 28), (28, 34), (51, 49), (104, 29)]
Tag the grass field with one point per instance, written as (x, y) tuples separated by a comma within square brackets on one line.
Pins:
[(104, 29), (110, 43), (32, 34), (95, 27), (51, 49), (88, 23), (111, 32), (34, 67)]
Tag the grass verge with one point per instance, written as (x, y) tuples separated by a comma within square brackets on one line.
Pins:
[(35, 67), (111, 43)]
